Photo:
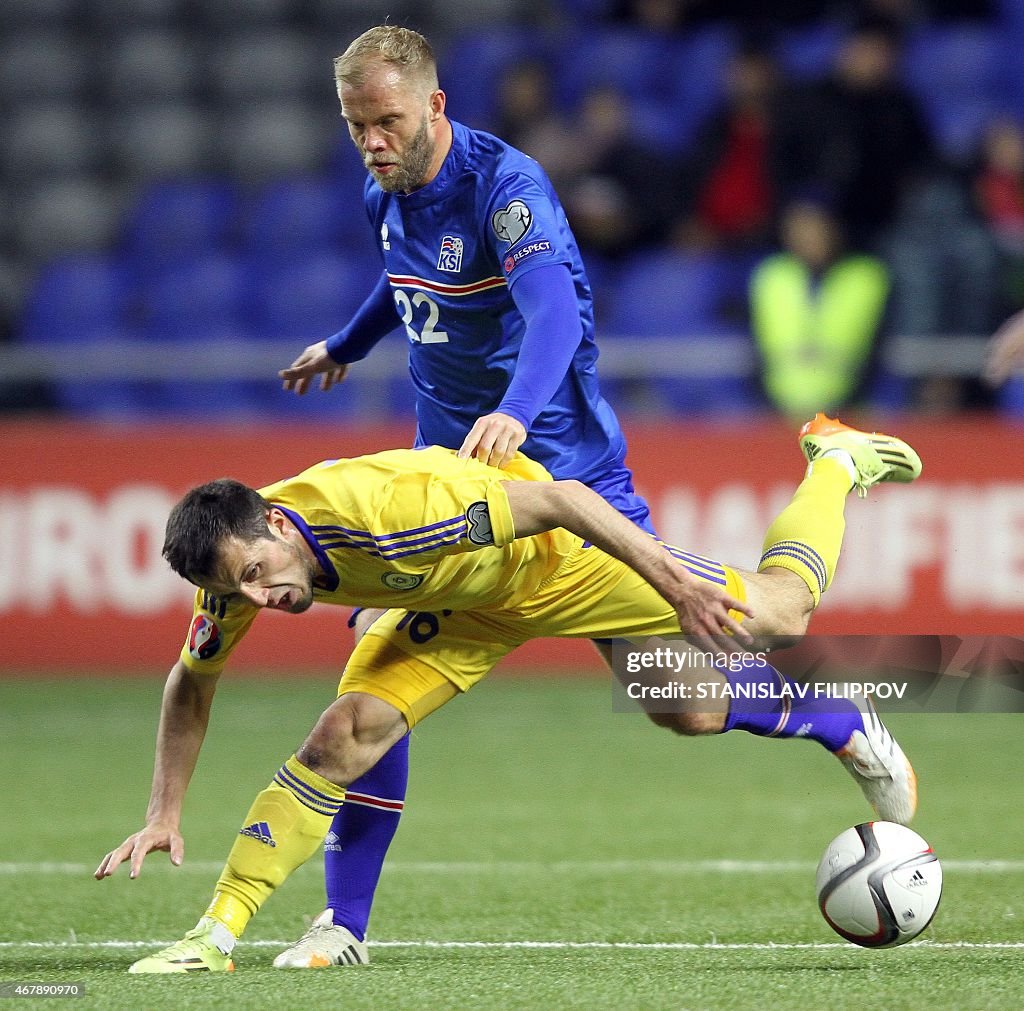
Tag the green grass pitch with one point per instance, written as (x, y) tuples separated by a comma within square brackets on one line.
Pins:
[(553, 855)]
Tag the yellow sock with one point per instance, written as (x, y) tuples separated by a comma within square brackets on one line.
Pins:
[(284, 827), (807, 535)]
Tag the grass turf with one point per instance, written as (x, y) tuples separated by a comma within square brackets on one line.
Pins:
[(535, 815)]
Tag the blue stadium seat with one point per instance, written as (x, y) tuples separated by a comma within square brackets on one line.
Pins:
[(958, 73), (200, 300), (1010, 398), (298, 215), (668, 293), (699, 71), (174, 222), (641, 65), (810, 51), (310, 296), (203, 298), (586, 11), (78, 298), (672, 81), (84, 301), (306, 299), (685, 295), (346, 168), (889, 392), (471, 65)]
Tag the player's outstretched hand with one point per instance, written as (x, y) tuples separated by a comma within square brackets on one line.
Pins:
[(137, 846), (703, 610), (1006, 350), (314, 361), (494, 439)]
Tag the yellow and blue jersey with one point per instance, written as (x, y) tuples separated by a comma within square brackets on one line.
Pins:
[(431, 538), (403, 528)]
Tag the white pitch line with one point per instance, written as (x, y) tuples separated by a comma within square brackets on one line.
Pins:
[(155, 863), (554, 945)]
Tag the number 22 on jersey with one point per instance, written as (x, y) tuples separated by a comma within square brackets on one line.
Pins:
[(411, 311)]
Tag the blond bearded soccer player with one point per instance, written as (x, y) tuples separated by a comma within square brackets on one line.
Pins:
[(509, 556), (481, 269)]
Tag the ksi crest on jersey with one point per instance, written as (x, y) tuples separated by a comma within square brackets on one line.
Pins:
[(450, 258)]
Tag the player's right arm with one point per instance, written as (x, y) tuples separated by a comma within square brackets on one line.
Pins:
[(330, 358), (184, 716), (707, 612)]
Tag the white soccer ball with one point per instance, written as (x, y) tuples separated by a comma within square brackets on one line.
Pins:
[(879, 884)]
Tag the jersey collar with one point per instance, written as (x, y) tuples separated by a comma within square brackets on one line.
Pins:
[(330, 575), (451, 170)]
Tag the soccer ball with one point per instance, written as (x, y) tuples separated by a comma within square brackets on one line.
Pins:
[(879, 884)]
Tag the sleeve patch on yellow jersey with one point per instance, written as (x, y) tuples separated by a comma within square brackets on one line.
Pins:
[(478, 516), (204, 639)]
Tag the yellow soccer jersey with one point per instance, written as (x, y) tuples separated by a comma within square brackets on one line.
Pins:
[(408, 528)]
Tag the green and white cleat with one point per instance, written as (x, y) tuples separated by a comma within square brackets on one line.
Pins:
[(876, 457), (325, 944), (205, 948)]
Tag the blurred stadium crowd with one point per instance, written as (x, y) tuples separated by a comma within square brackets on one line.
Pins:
[(176, 172)]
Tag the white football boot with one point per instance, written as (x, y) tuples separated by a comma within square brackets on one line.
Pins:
[(881, 770), (325, 944)]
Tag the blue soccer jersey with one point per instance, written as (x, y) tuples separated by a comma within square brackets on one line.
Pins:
[(453, 251)]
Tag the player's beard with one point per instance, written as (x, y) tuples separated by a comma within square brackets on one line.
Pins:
[(412, 167)]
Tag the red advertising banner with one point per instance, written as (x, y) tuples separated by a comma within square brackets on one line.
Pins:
[(82, 511)]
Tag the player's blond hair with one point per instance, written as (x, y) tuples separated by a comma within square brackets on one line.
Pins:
[(402, 48)]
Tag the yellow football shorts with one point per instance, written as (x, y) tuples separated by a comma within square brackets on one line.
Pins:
[(419, 660)]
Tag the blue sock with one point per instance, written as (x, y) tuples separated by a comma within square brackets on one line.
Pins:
[(360, 835), (767, 703)]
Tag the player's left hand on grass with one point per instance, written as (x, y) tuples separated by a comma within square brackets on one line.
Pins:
[(138, 846), (494, 439), (314, 361)]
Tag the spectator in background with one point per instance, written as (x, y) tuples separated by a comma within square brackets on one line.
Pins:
[(660, 15), (601, 169), (525, 114), (859, 134), (816, 313), (728, 195), (999, 192), (945, 276), (943, 261)]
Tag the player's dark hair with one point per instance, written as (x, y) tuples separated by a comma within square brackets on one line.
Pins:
[(208, 515)]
